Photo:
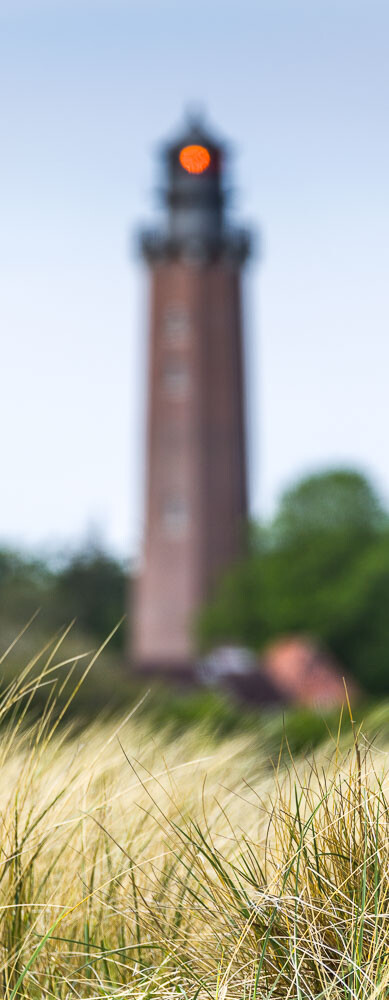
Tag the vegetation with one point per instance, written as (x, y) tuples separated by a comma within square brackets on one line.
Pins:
[(109, 689), (320, 567), (137, 866), (190, 847), (89, 589), (89, 586)]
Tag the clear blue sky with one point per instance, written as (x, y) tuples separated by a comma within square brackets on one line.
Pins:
[(88, 88)]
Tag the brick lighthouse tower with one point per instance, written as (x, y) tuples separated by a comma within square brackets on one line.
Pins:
[(195, 504)]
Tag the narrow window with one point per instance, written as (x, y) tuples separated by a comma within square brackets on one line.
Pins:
[(176, 517), (176, 378), (176, 325)]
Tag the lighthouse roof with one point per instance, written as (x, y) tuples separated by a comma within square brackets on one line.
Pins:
[(195, 131)]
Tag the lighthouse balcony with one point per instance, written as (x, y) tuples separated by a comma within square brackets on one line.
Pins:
[(232, 244)]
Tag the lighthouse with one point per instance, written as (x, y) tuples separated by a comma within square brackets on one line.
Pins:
[(195, 488)]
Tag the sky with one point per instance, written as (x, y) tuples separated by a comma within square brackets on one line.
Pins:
[(88, 90)]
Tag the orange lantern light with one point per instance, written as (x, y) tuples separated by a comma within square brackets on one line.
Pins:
[(194, 159)]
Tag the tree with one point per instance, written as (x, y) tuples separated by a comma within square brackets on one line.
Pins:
[(92, 589), (320, 567), (340, 500)]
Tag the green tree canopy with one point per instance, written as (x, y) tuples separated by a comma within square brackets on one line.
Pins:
[(90, 587), (341, 501), (320, 567)]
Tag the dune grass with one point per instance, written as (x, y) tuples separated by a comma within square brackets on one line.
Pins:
[(134, 865)]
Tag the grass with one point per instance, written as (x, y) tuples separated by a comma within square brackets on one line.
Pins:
[(137, 865)]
